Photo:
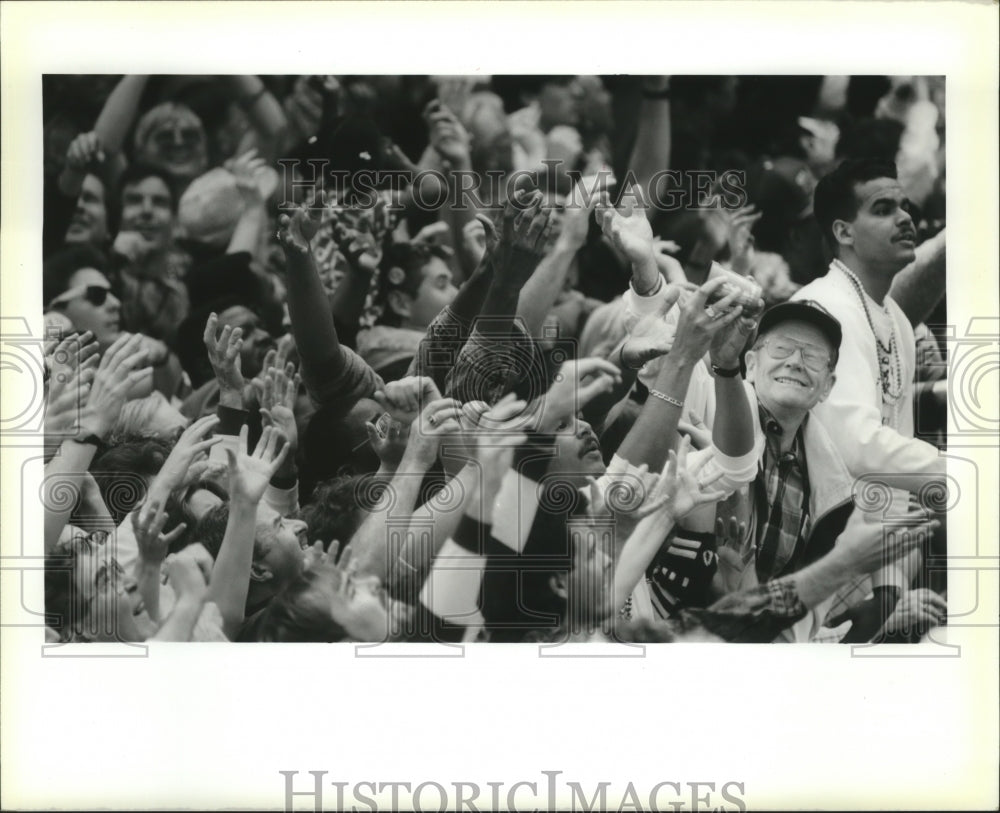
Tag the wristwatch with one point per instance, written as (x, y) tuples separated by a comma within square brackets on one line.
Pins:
[(90, 440), (723, 372)]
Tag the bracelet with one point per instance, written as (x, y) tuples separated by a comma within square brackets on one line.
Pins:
[(723, 372), (664, 397)]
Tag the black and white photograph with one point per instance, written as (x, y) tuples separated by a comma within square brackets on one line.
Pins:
[(418, 363)]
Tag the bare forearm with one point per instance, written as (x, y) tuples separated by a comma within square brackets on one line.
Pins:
[(638, 553), (655, 430), (540, 292), (248, 232), (147, 578), (66, 468), (180, 625), (119, 112), (231, 575), (651, 152), (370, 542), (266, 115), (918, 288), (445, 516), (732, 430)]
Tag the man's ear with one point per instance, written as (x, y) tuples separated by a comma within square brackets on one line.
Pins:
[(843, 232), (260, 573), (399, 303), (751, 363), (825, 391), (559, 584)]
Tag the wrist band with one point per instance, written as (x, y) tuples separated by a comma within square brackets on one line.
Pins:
[(664, 397), (654, 290), (723, 372), (625, 365)]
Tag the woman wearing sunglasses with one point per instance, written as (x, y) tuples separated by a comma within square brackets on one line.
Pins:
[(74, 285)]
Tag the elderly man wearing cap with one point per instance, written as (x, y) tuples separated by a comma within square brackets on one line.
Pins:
[(799, 495)]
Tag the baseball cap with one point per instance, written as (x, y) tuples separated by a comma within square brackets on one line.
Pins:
[(803, 310)]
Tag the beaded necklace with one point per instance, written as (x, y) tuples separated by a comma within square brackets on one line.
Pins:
[(890, 368)]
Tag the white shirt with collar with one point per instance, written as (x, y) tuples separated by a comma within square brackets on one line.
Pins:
[(874, 433)]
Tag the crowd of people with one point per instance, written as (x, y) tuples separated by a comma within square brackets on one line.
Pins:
[(495, 358)]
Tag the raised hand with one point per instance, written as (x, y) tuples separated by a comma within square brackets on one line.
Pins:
[(403, 399), (627, 227), (84, 151), (360, 245), (474, 237), (679, 490), (249, 473), (224, 354), (447, 135), (278, 393), (439, 418), (576, 384), (248, 169), (189, 573), (388, 439), (739, 236), (72, 365), (497, 433), (147, 524), (296, 232), (698, 325), (651, 337), (122, 368), (701, 435), (193, 445), (582, 201)]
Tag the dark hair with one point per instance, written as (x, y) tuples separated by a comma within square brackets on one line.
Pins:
[(336, 507), (289, 619), (211, 529), (138, 172), (411, 259), (835, 197), (59, 268), (178, 512), (121, 472)]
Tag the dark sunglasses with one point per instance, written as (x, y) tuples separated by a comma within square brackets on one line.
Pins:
[(96, 295)]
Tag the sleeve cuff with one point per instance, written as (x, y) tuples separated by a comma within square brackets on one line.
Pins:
[(231, 420)]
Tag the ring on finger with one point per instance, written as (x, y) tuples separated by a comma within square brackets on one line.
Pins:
[(432, 420), (711, 312)]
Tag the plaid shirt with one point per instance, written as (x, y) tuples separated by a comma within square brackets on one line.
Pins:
[(786, 485)]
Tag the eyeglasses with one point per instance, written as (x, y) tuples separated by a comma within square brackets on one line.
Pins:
[(167, 137), (96, 295), (780, 349)]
